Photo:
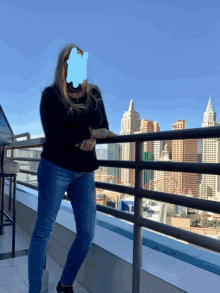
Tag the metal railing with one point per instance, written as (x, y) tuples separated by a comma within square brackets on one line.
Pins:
[(139, 193)]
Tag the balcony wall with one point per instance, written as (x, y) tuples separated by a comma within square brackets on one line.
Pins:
[(108, 266)]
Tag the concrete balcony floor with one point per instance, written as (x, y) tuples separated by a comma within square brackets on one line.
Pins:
[(14, 271)]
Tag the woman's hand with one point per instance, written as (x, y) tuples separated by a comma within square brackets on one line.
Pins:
[(87, 145)]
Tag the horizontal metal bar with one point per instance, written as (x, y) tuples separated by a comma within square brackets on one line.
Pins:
[(28, 172), (197, 239), (195, 133), (191, 237), (204, 168), (32, 186), (24, 159), (28, 143), (7, 224), (178, 233), (191, 202), (116, 213), (180, 200), (201, 168), (198, 133), (12, 136)]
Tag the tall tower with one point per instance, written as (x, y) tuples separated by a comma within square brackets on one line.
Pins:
[(161, 176), (130, 124), (151, 152), (209, 186), (185, 151)]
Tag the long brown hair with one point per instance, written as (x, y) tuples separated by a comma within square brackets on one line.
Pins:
[(60, 82)]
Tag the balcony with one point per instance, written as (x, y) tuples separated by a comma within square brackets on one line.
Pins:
[(129, 253)]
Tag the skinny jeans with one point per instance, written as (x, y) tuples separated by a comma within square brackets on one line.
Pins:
[(53, 182)]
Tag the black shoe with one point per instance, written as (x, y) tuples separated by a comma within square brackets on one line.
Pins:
[(61, 289)]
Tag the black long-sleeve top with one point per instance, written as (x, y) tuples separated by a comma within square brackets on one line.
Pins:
[(64, 130)]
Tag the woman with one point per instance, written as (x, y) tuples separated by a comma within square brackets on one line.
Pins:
[(68, 162)]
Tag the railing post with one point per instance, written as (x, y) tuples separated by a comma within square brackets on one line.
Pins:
[(138, 231)]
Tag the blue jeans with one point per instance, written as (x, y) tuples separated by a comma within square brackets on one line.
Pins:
[(53, 181)]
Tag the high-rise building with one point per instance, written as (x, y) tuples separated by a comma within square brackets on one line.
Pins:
[(209, 187), (173, 150), (185, 150), (129, 125)]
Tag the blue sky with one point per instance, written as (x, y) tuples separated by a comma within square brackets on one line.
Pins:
[(166, 57)]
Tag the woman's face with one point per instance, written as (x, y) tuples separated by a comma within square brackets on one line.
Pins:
[(66, 64)]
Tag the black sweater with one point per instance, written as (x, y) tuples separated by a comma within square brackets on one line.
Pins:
[(63, 131)]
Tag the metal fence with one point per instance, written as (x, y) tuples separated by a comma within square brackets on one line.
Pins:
[(139, 193)]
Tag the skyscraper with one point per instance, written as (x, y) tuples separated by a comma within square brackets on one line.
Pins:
[(209, 187)]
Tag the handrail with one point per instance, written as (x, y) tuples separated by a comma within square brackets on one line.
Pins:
[(140, 193)]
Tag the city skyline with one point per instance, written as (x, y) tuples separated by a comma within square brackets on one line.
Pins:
[(105, 146), (157, 67)]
